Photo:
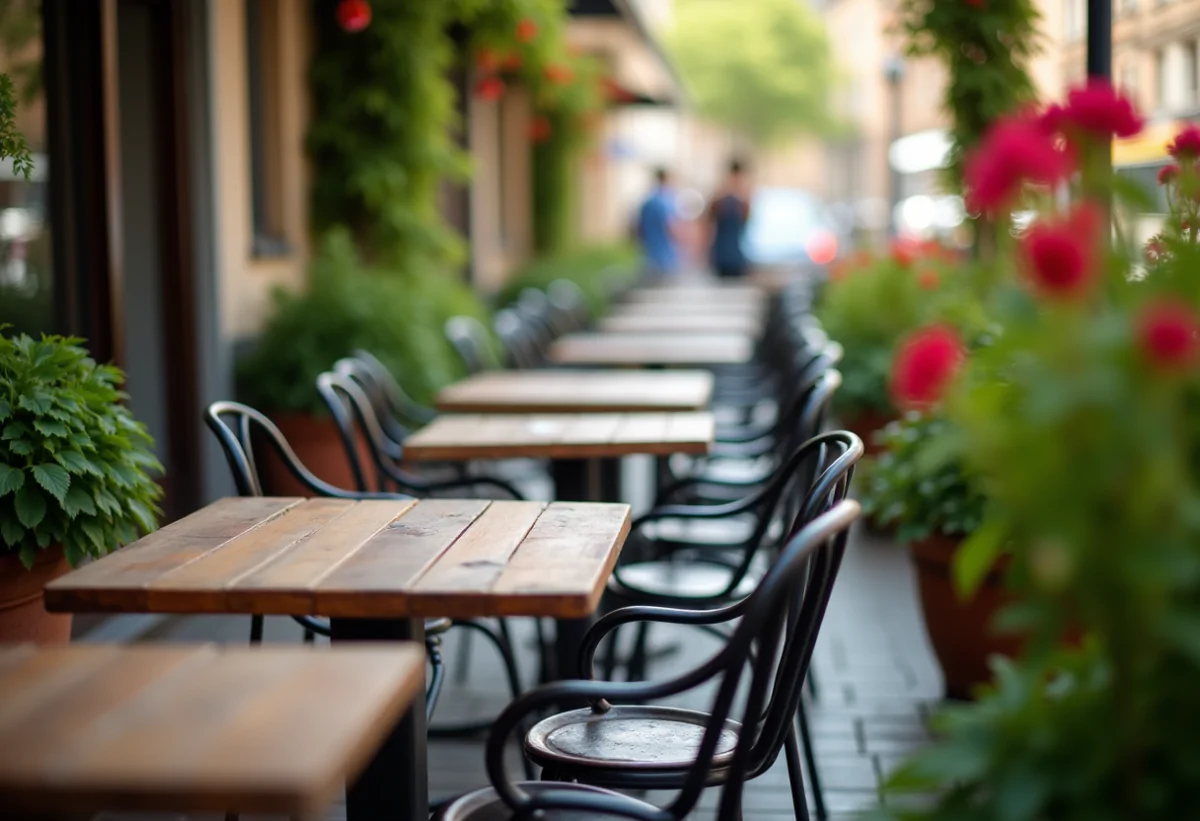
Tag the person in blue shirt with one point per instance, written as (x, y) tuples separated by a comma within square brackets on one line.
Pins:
[(727, 215), (656, 228)]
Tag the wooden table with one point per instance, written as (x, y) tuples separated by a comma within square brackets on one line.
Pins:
[(663, 322), (715, 293), (194, 728), (377, 568), (652, 349), (453, 437), (574, 391)]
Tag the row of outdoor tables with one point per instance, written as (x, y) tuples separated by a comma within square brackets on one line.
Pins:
[(277, 730)]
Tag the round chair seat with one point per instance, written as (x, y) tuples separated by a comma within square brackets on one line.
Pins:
[(485, 804), (679, 580), (627, 737)]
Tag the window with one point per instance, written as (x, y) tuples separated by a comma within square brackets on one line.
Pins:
[(1073, 19), (266, 173)]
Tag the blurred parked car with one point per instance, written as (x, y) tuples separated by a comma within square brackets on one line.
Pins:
[(789, 227)]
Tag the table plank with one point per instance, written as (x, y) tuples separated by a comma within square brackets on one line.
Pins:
[(271, 730), (682, 323), (567, 391), (566, 551), (651, 349), (559, 436)]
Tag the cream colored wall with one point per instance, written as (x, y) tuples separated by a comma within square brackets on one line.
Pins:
[(244, 282), (500, 185)]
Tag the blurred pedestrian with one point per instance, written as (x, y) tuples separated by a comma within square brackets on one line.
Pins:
[(657, 230), (728, 213)]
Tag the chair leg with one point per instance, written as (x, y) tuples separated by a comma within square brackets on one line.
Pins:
[(462, 663), (795, 776), (437, 674), (310, 637), (810, 759), (811, 681), (256, 629)]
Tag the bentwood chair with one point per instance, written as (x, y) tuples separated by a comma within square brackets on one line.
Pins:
[(623, 741), (469, 338)]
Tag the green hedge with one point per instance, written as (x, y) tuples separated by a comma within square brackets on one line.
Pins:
[(596, 269)]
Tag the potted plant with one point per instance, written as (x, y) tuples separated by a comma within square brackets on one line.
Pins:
[(1083, 423), (868, 304), (346, 306), (916, 485), (75, 475)]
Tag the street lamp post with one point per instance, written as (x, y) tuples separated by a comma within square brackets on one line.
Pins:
[(1099, 39), (893, 71)]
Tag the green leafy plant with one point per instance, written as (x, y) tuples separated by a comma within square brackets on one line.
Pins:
[(349, 305), (75, 468), (918, 482), (597, 270), (12, 141)]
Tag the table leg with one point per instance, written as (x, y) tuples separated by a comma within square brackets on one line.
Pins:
[(395, 784)]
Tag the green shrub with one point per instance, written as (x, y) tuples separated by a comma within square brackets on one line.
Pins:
[(596, 270), (74, 465), (347, 306)]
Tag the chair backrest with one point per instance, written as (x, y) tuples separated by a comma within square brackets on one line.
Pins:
[(515, 335), (568, 301), (771, 644), (469, 338), (402, 407), (236, 427)]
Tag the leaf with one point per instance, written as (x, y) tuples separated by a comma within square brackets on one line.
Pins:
[(37, 402), (11, 532), (78, 501), (14, 430), (49, 427), (53, 478), (75, 462), (11, 479), (21, 447), (95, 533), (977, 556), (143, 515), (1182, 630), (5, 409), (31, 506)]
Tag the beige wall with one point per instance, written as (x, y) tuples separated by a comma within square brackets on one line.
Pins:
[(501, 186), (245, 282)]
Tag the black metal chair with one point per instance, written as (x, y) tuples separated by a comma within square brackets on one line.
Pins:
[(469, 338), (519, 342), (400, 406), (569, 305), (622, 741)]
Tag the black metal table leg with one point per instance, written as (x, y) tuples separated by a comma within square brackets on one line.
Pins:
[(395, 784)]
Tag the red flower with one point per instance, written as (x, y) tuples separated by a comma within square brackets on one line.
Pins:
[(512, 61), (1167, 332), (1059, 254), (487, 60), (527, 29), (1186, 145), (539, 129), (904, 252), (1100, 110), (1053, 119), (558, 74), (924, 366), (1156, 249), (929, 279), (354, 15), (489, 88), (977, 4), (1013, 151), (1168, 174)]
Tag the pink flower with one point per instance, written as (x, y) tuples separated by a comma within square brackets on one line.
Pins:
[(1059, 255), (489, 88), (924, 366), (1101, 111), (1168, 174), (1167, 333), (1014, 151), (1186, 145), (354, 15), (904, 252), (1156, 249)]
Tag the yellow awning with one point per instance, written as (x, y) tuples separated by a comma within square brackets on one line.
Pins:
[(1148, 147)]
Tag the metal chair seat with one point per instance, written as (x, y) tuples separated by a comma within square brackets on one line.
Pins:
[(680, 580), (485, 805), (641, 738)]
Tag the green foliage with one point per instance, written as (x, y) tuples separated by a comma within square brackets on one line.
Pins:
[(596, 270), (917, 482), (985, 48), (761, 67), (349, 305), (12, 141), (868, 309), (74, 465)]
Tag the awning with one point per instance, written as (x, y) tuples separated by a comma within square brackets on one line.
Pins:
[(1147, 148)]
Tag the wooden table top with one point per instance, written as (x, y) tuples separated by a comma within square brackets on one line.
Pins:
[(663, 322), (728, 294), (194, 728), (652, 349), (462, 558), (567, 391), (464, 437)]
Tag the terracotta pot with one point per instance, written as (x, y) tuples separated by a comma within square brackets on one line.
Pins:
[(865, 425), (319, 448), (960, 631), (23, 615)]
